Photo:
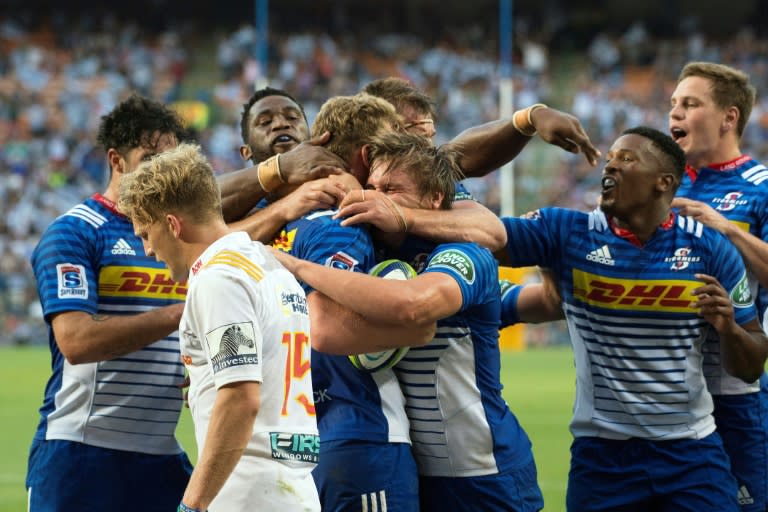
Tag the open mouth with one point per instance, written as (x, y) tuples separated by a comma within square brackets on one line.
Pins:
[(607, 183), (678, 133), (284, 139)]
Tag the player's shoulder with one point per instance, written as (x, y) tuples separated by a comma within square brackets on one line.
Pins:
[(753, 173)]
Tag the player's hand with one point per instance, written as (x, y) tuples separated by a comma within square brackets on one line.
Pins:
[(320, 194), (564, 130), (310, 160), (702, 212), (289, 262), (374, 208), (714, 304), (185, 386)]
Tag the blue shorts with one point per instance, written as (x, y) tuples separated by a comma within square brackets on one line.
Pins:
[(514, 490), (638, 475), (742, 422), (355, 476), (65, 475)]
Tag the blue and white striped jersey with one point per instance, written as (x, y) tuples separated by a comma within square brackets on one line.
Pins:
[(739, 191), (350, 404), (460, 424), (637, 339), (90, 260)]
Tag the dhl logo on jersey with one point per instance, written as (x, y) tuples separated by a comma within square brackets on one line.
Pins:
[(284, 241), (151, 283), (671, 295)]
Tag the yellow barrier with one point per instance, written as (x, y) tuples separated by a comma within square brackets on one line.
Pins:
[(513, 337)]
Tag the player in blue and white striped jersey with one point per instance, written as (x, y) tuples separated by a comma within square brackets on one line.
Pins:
[(728, 191), (106, 435), (471, 451), (641, 289)]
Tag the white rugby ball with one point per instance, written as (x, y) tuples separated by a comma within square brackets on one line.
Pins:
[(377, 361)]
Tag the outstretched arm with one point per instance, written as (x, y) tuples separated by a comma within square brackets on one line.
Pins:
[(339, 330), (242, 190), (468, 221), (753, 250), (422, 300), (487, 147)]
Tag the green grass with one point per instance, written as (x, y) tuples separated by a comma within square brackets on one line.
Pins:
[(538, 385)]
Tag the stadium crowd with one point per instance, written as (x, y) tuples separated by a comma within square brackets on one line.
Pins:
[(55, 84)]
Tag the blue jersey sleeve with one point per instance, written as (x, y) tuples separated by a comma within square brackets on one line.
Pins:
[(330, 244), (63, 264), (537, 238), (462, 194), (728, 267), (509, 294), (474, 269)]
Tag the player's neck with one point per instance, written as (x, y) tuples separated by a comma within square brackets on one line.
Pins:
[(644, 223), (725, 152)]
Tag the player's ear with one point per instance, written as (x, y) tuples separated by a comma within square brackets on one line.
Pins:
[(666, 182), (245, 152), (174, 225), (364, 155), (731, 120), (115, 160)]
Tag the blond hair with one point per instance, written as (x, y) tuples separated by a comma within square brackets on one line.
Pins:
[(179, 180), (434, 170), (730, 87), (353, 121)]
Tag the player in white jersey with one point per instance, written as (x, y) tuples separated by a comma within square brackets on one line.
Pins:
[(245, 342)]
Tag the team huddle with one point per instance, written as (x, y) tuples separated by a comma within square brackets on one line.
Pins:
[(254, 288)]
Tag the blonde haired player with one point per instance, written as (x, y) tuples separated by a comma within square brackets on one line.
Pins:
[(244, 340)]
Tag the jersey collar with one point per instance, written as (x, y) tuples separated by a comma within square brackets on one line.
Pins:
[(631, 238), (720, 167)]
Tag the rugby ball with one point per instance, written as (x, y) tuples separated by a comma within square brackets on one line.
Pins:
[(377, 361)]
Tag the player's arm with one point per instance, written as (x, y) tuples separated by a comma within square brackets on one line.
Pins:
[(422, 300), (87, 338), (467, 221), (487, 147), (263, 224), (339, 330), (753, 250), (744, 348), (531, 303), (242, 190), (229, 430)]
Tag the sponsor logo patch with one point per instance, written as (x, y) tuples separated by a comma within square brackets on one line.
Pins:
[(232, 345), (144, 282), (293, 303), (741, 295), (73, 284), (635, 294), (601, 255), (123, 247), (300, 447), (341, 260), (457, 261)]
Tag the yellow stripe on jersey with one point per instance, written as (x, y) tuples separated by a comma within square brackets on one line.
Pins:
[(669, 295), (237, 260), (139, 282)]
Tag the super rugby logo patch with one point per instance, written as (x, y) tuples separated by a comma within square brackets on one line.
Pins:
[(73, 284), (341, 260), (456, 261), (232, 345)]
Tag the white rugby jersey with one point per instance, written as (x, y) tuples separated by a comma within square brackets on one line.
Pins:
[(246, 319)]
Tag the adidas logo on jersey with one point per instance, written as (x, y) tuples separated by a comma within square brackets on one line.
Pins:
[(122, 247), (601, 255), (744, 497)]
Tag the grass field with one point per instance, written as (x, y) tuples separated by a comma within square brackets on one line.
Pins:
[(538, 385)]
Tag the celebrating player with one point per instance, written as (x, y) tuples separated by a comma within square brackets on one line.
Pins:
[(641, 289)]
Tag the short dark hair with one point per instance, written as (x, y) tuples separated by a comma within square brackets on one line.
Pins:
[(400, 93), (665, 143), (132, 123), (256, 96)]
